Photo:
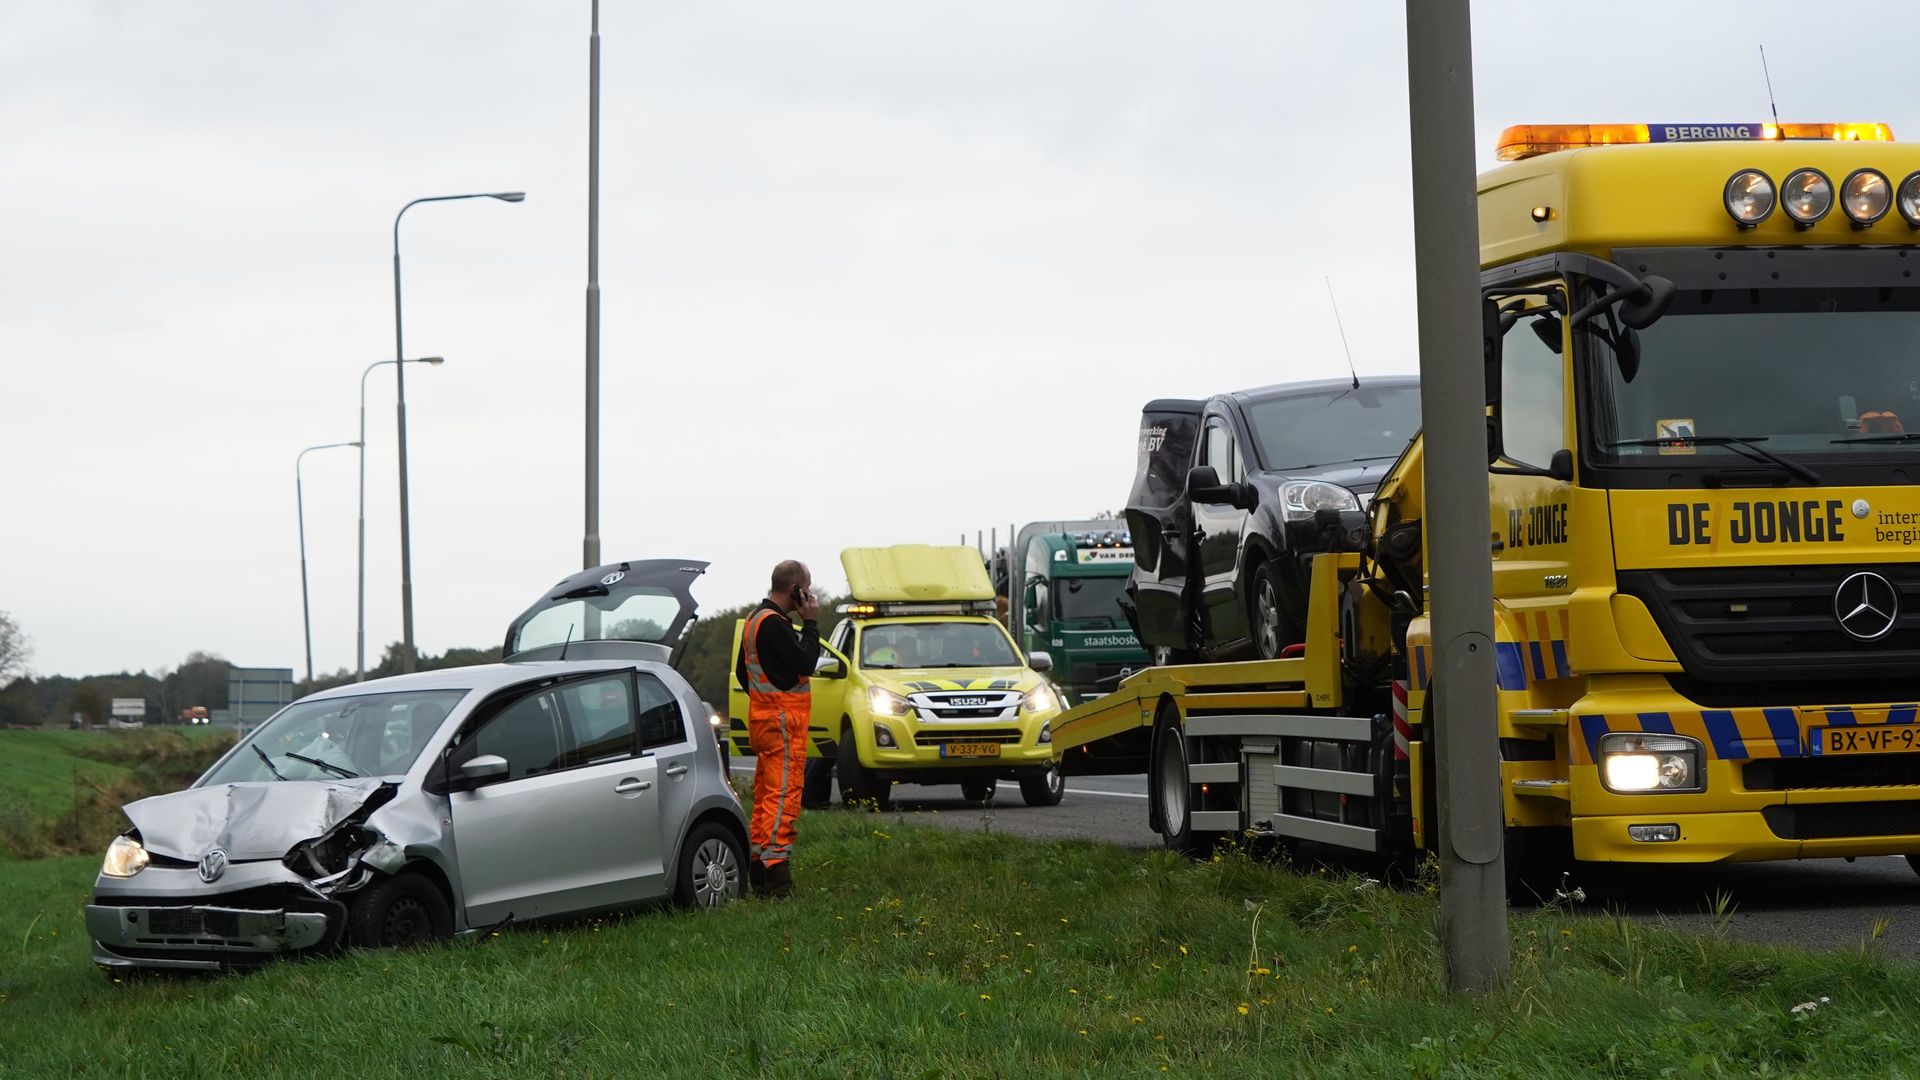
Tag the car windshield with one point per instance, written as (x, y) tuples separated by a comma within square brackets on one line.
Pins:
[(1086, 598), (936, 645), (642, 614), (1813, 372), (339, 738), (1334, 427)]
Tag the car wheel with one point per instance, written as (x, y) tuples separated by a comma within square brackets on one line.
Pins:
[(710, 863), (859, 788), (1046, 789), (399, 911), (1173, 793), (1270, 627), (976, 791)]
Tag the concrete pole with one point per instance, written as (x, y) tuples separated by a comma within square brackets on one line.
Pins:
[(1446, 247), (590, 542)]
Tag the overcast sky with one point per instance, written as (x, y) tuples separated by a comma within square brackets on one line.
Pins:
[(873, 272)]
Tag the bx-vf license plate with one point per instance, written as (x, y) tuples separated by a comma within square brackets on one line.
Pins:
[(1874, 739), (970, 749)]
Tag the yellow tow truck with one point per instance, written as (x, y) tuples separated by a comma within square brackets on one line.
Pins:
[(1705, 533), (920, 684)]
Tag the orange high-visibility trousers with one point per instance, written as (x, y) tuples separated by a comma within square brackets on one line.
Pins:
[(777, 731)]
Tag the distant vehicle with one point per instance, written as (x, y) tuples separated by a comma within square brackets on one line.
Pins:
[(196, 715), (580, 775), (1232, 493), (1067, 580)]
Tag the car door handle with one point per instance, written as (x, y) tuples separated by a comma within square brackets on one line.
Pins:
[(676, 771), (631, 785)]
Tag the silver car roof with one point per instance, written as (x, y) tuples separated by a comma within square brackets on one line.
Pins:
[(481, 676)]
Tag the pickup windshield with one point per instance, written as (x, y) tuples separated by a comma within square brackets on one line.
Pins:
[(1816, 373), (936, 645)]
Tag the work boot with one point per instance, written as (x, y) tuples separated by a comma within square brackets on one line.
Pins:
[(757, 877), (780, 879)]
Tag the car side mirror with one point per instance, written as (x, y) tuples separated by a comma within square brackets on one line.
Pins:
[(1245, 496), (484, 769), (1040, 661), (1492, 329), (1204, 486), (1645, 308), (829, 666)]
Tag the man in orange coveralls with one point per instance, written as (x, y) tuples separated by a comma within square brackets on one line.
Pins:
[(774, 665)]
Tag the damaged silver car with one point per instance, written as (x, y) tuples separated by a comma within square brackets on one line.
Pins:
[(578, 776)]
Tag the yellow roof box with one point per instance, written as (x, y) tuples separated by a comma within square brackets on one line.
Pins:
[(916, 573)]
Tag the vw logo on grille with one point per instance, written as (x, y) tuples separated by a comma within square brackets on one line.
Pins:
[(966, 702), (212, 865), (1866, 605)]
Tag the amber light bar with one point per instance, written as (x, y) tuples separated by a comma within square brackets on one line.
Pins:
[(1531, 140)]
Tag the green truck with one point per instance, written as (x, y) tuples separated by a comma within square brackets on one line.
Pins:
[(1064, 581)]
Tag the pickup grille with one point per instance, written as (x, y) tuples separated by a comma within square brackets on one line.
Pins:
[(1775, 624), (952, 735)]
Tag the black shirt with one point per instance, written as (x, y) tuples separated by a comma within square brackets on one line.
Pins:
[(784, 655)]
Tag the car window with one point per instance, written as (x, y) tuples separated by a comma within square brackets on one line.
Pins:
[(1220, 452), (371, 735), (661, 722), (1305, 430), (599, 716), (526, 732)]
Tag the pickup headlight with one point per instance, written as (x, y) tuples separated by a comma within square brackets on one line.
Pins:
[(125, 858), (884, 702), (1301, 499), (1039, 699), (1631, 762)]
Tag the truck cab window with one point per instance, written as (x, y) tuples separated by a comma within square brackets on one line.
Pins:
[(1532, 405)]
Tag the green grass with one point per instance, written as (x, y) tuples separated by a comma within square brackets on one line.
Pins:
[(918, 952), (60, 791)]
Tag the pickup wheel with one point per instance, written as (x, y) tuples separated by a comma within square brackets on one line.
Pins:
[(976, 791), (1174, 796), (1047, 789), (859, 788), (399, 911)]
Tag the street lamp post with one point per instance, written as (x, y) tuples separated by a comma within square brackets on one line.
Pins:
[(400, 387), (300, 511), (360, 620)]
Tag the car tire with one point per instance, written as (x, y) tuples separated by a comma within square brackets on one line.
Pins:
[(977, 791), (1047, 789), (398, 912), (712, 867), (1269, 626), (859, 788), (1174, 795)]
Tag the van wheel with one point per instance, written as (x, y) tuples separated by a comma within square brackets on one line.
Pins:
[(1046, 789), (1174, 796), (859, 788), (976, 791), (397, 912), (1268, 623)]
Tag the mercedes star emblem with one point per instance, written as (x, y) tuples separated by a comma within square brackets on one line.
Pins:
[(1866, 605), (212, 865)]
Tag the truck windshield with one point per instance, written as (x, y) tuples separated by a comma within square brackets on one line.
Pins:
[(1813, 372), (1083, 599), (1336, 427), (340, 738), (936, 645)]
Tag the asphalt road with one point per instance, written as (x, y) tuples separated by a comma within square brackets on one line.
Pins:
[(1819, 903)]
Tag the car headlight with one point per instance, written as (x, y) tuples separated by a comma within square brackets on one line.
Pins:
[(1040, 699), (1634, 762), (884, 702), (883, 737), (125, 858), (1807, 196), (1750, 197), (716, 721), (1301, 499)]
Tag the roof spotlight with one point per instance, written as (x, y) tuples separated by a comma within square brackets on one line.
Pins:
[(1807, 196), (1908, 199), (1750, 197), (1866, 196)]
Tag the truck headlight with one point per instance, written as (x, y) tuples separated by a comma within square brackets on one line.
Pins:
[(1635, 762), (125, 858), (1301, 499), (1040, 699), (884, 702)]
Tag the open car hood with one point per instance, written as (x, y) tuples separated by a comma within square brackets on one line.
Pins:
[(638, 609), (247, 820)]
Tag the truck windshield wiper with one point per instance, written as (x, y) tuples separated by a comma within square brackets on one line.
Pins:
[(345, 774), (1891, 436), (1748, 444), (255, 747)]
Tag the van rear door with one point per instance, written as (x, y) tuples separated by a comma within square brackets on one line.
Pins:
[(1161, 521)]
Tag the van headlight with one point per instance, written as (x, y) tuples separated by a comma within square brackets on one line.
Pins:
[(125, 858), (1632, 762), (1301, 499), (1040, 699), (884, 702)]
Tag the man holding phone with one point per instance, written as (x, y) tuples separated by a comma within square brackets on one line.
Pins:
[(774, 665)]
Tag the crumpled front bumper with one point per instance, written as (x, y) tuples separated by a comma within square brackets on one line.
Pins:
[(167, 919)]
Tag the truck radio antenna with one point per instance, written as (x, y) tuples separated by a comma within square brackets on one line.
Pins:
[(1768, 75), (1355, 372)]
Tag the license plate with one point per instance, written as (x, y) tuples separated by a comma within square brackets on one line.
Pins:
[(1868, 739), (970, 749)]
